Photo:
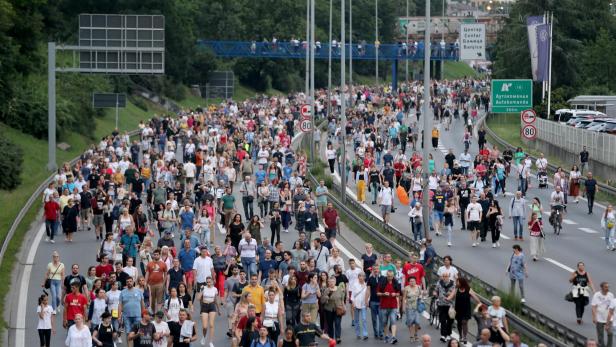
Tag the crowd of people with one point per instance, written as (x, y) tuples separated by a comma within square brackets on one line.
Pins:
[(165, 211)]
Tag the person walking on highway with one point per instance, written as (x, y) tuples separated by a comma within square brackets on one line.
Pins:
[(584, 156), (582, 287), (574, 183), (537, 237), (374, 301), (608, 224), (474, 212), (461, 298), (385, 201), (591, 189), (445, 287), (416, 218), (600, 303), (517, 212), (435, 137), (517, 270)]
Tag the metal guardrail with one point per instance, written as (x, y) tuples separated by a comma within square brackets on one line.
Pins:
[(28, 205), (551, 333), (551, 167)]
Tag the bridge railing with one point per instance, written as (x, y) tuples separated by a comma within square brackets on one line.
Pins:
[(297, 50)]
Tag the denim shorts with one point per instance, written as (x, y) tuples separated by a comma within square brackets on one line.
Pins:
[(388, 316)]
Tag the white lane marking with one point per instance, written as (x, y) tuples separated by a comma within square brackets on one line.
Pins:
[(510, 194), (20, 333), (505, 236), (343, 249), (589, 230), (559, 264), (568, 221)]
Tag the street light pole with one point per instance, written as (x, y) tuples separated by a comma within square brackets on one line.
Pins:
[(351, 50), (312, 51), (406, 39), (329, 63), (343, 119), (426, 124), (376, 38), (51, 106)]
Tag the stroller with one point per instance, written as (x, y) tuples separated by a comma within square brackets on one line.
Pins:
[(542, 177)]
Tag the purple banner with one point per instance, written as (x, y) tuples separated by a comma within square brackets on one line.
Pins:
[(543, 50), (531, 24)]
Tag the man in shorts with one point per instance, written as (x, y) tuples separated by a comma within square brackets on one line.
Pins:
[(386, 200), (388, 292), (473, 217)]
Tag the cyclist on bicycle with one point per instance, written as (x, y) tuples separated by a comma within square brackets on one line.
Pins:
[(557, 200)]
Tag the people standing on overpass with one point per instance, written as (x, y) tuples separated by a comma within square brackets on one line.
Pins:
[(608, 223), (591, 189), (582, 287)]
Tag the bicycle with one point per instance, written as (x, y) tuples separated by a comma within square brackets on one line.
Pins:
[(556, 218)]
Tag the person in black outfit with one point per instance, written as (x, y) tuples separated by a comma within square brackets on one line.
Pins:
[(464, 198), (584, 159), (176, 331), (104, 333), (591, 189)]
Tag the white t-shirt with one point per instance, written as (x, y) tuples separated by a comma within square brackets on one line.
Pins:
[(113, 299), (78, 338), (386, 196), (352, 276), (613, 307), (453, 272), (208, 294), (499, 313), (45, 322), (602, 302), (204, 267), (358, 291), (330, 154), (162, 328), (173, 306), (190, 169), (474, 211), (247, 249)]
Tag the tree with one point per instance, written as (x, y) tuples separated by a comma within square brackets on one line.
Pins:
[(11, 164)]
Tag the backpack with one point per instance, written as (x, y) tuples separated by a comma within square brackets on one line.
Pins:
[(268, 343), (115, 213)]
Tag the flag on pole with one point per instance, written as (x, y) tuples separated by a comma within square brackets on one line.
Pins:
[(543, 52), (531, 25)]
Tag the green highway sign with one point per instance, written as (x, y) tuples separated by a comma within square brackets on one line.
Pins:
[(511, 95)]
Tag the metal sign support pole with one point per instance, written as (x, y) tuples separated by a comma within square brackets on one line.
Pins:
[(51, 106), (312, 104), (343, 120), (426, 124)]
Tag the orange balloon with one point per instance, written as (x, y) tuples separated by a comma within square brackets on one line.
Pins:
[(402, 196)]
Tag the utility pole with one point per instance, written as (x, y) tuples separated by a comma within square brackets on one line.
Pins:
[(406, 39), (312, 51), (376, 38), (307, 85), (343, 120), (427, 119), (329, 64), (351, 51), (51, 106)]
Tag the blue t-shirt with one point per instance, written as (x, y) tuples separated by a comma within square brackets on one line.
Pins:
[(131, 302), (187, 258), (260, 176), (265, 266), (187, 218), (286, 172)]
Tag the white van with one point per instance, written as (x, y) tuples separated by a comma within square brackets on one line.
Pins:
[(575, 116)]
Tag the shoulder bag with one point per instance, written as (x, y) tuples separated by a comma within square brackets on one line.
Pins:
[(48, 280)]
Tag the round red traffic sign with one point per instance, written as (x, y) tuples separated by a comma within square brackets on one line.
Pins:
[(305, 111), (529, 116), (529, 132), (305, 125)]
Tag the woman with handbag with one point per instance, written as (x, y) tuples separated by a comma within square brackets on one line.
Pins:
[(446, 312), (412, 304), (574, 183), (53, 279), (608, 223), (273, 315), (582, 287), (535, 230), (462, 303), (333, 308)]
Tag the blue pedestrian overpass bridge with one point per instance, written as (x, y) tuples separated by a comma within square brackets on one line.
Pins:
[(358, 51)]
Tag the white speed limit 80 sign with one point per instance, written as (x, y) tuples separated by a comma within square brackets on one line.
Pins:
[(529, 132), (305, 125)]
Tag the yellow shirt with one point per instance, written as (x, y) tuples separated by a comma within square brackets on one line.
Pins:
[(146, 172), (435, 133), (257, 297)]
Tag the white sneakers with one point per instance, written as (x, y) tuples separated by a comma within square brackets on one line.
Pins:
[(523, 300), (202, 341), (494, 245), (474, 244), (448, 244)]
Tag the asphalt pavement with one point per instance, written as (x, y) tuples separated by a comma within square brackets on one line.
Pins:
[(580, 240)]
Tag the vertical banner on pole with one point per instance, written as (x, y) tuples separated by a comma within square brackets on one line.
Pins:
[(531, 25), (543, 52)]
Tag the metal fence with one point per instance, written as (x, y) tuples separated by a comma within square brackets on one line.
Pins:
[(601, 146)]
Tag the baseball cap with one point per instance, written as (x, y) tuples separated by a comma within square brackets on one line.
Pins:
[(160, 314)]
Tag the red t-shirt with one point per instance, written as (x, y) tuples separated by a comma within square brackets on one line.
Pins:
[(156, 270), (104, 269), (51, 210), (388, 301), (398, 168), (241, 324), (413, 270), (74, 304), (329, 217)]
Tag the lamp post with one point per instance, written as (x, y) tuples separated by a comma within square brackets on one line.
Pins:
[(307, 84), (312, 51), (426, 124), (342, 103), (329, 64), (376, 38), (406, 39)]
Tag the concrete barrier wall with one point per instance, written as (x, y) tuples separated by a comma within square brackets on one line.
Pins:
[(566, 142)]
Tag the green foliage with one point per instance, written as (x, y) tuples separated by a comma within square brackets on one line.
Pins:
[(583, 42), (11, 164)]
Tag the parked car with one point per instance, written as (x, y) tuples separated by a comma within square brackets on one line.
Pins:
[(578, 115)]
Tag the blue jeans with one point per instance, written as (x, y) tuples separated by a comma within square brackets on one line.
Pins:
[(377, 325), (517, 226), (249, 265), (50, 228), (417, 231), (129, 322), (56, 292), (360, 322)]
